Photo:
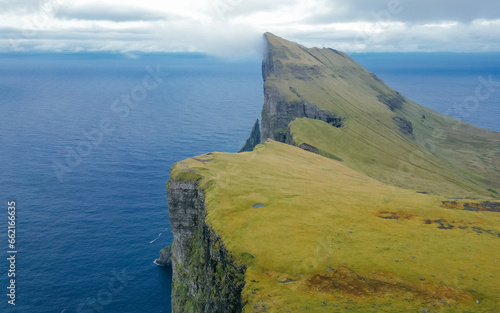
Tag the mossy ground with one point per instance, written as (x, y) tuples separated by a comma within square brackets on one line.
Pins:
[(329, 237)]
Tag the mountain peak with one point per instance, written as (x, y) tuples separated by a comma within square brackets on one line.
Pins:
[(321, 97)]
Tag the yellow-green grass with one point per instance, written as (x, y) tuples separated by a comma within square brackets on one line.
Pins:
[(328, 235), (405, 164), (443, 155)]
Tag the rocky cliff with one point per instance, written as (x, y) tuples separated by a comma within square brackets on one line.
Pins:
[(165, 257), (278, 110), (205, 278), (254, 138)]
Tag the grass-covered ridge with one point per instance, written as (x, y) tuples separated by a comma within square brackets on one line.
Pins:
[(383, 134), (329, 237)]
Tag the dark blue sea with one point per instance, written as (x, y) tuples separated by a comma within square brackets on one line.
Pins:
[(87, 141)]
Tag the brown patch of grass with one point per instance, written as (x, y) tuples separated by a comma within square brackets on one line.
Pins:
[(384, 284), (399, 215)]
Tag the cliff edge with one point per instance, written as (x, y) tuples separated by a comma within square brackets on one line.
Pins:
[(205, 277)]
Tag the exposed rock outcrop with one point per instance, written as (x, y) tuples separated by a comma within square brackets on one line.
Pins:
[(204, 276), (254, 138), (392, 101), (267, 61), (165, 257), (278, 112), (308, 147), (405, 126)]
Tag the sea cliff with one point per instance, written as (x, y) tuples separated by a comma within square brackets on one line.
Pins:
[(254, 138), (205, 277)]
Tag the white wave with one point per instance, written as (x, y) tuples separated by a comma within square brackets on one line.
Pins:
[(159, 235)]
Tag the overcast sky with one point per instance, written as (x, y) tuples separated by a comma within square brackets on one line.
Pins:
[(235, 27)]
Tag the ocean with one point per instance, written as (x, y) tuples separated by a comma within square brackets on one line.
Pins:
[(87, 141), (89, 230)]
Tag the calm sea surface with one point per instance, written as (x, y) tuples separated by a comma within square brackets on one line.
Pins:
[(87, 141)]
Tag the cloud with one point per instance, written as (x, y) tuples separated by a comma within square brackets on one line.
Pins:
[(237, 41), (234, 27), (477, 36), (20, 6), (107, 12), (408, 11)]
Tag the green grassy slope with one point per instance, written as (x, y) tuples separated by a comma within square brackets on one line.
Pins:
[(331, 239), (384, 135)]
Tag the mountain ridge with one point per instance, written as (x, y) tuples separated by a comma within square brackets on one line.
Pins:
[(327, 85)]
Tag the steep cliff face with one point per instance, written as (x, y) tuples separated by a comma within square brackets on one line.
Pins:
[(279, 108), (205, 278), (254, 138), (278, 112)]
